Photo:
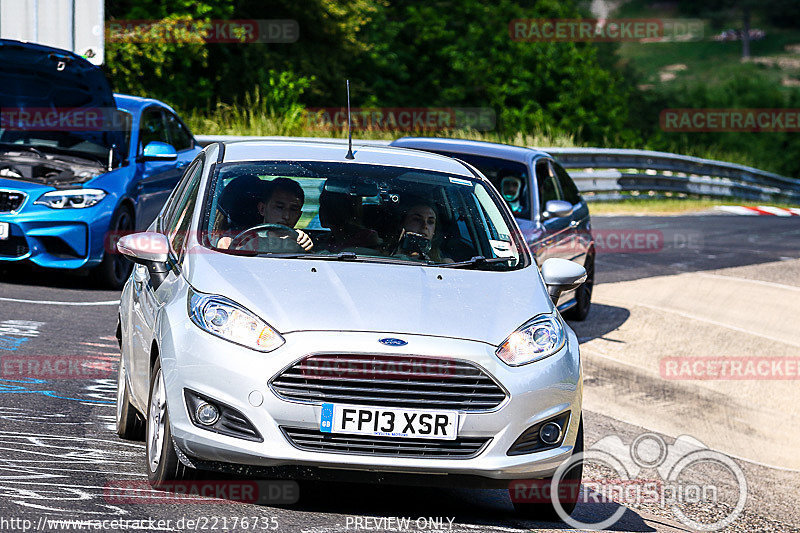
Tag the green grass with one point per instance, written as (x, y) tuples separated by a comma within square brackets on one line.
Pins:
[(667, 206), (710, 62), (258, 121), (707, 61)]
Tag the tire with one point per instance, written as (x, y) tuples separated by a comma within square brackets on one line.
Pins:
[(546, 511), (130, 423), (163, 465), (114, 269), (583, 295)]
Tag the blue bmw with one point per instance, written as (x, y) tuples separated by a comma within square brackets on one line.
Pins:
[(67, 190)]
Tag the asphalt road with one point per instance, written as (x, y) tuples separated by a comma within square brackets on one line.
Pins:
[(60, 457)]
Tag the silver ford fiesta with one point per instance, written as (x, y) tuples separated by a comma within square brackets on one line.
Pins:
[(296, 311)]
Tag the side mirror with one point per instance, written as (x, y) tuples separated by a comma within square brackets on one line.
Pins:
[(158, 151), (562, 275), (149, 249), (557, 209)]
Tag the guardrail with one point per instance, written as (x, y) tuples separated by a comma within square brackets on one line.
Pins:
[(609, 173)]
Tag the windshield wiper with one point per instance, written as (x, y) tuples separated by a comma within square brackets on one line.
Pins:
[(344, 256), (235, 251), (476, 261)]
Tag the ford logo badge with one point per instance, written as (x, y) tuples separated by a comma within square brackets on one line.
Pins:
[(392, 342)]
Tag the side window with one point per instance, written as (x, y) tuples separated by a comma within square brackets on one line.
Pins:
[(182, 215), (152, 128), (179, 136), (126, 120), (568, 186), (548, 185), (169, 205)]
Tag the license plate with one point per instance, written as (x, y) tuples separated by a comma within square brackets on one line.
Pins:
[(3, 231), (388, 422)]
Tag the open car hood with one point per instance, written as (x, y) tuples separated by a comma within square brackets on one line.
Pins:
[(37, 77)]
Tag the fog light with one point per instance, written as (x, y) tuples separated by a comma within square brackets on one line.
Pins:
[(207, 414), (550, 433)]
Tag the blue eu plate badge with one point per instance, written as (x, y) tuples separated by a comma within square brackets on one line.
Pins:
[(326, 419)]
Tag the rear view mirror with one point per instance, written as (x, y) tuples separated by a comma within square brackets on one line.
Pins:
[(354, 188), (562, 275), (557, 209)]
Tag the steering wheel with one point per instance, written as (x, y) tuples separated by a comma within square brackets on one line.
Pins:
[(284, 235)]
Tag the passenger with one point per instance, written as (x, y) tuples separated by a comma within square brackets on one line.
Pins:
[(418, 233), (283, 204)]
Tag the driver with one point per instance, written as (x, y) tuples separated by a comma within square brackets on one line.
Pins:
[(283, 204), (511, 189)]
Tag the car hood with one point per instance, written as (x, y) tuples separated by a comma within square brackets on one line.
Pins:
[(38, 77), (325, 295)]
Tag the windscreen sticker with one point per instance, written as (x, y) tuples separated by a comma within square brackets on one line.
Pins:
[(459, 181)]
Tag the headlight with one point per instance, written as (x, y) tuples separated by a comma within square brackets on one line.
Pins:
[(71, 199), (539, 338), (228, 320)]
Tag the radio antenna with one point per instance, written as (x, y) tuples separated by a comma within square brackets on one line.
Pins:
[(349, 127)]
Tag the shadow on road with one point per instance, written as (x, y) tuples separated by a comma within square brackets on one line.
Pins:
[(33, 276), (602, 320)]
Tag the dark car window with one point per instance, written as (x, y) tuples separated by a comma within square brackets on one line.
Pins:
[(170, 204), (152, 128), (179, 136), (548, 184), (182, 217), (509, 177), (568, 187)]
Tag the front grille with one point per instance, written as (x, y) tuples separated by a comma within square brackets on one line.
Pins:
[(13, 247), (10, 200), (389, 381), (315, 441)]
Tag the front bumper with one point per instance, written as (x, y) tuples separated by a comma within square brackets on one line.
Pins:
[(237, 376), (51, 238)]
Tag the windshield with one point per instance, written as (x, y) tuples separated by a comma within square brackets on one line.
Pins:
[(325, 210)]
